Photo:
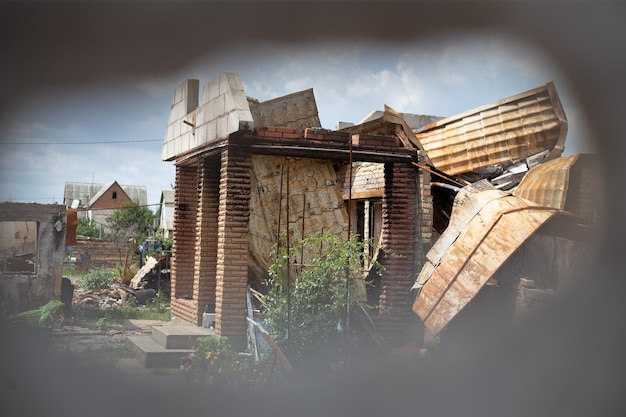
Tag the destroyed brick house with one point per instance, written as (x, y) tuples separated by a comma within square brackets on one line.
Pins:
[(415, 184), (32, 239)]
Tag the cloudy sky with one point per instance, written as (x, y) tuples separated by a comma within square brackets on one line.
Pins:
[(114, 131)]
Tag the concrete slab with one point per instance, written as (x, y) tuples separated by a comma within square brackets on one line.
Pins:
[(133, 367), (153, 355), (179, 337)]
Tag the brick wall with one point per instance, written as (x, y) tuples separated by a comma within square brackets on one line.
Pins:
[(113, 198), (232, 246), (100, 252), (426, 215), (183, 250), (400, 239), (206, 234)]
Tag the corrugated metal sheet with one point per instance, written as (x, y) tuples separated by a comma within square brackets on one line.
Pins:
[(477, 242), (547, 183), (506, 131), (569, 183)]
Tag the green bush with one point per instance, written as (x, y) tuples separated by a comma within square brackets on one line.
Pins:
[(214, 362), (97, 279), (44, 316), (87, 227), (310, 325)]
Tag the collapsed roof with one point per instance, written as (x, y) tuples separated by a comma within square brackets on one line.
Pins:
[(496, 141), (487, 226)]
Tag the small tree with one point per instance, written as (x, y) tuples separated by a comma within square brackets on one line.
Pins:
[(87, 227), (131, 224), (309, 320), (131, 221)]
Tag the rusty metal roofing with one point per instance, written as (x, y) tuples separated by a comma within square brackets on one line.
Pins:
[(477, 242), (567, 183), (503, 132)]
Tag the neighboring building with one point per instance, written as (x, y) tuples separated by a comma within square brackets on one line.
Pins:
[(32, 239), (165, 213), (99, 201)]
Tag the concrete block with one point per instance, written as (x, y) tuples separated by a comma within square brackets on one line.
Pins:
[(172, 116), (220, 105), (193, 141), (184, 127), (246, 125), (185, 141), (240, 102), (152, 355), (200, 115), (179, 337), (175, 112), (228, 102), (224, 85), (214, 89), (232, 122), (178, 93), (201, 134), (221, 126), (190, 98), (206, 94), (245, 120), (234, 81), (209, 112), (167, 151), (211, 131), (176, 128)]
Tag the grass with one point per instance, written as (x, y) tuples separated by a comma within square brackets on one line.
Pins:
[(155, 309), (105, 319)]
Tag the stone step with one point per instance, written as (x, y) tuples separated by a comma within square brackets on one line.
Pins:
[(152, 355), (179, 337)]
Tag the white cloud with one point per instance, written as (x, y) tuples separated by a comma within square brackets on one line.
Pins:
[(32, 131), (442, 76), (259, 90), (298, 84), (156, 87)]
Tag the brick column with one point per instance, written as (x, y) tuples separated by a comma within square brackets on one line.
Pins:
[(206, 235), (183, 253), (232, 248), (425, 217), (399, 237)]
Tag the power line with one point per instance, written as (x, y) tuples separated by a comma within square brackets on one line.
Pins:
[(81, 143)]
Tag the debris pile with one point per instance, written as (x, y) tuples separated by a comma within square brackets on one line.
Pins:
[(101, 299)]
